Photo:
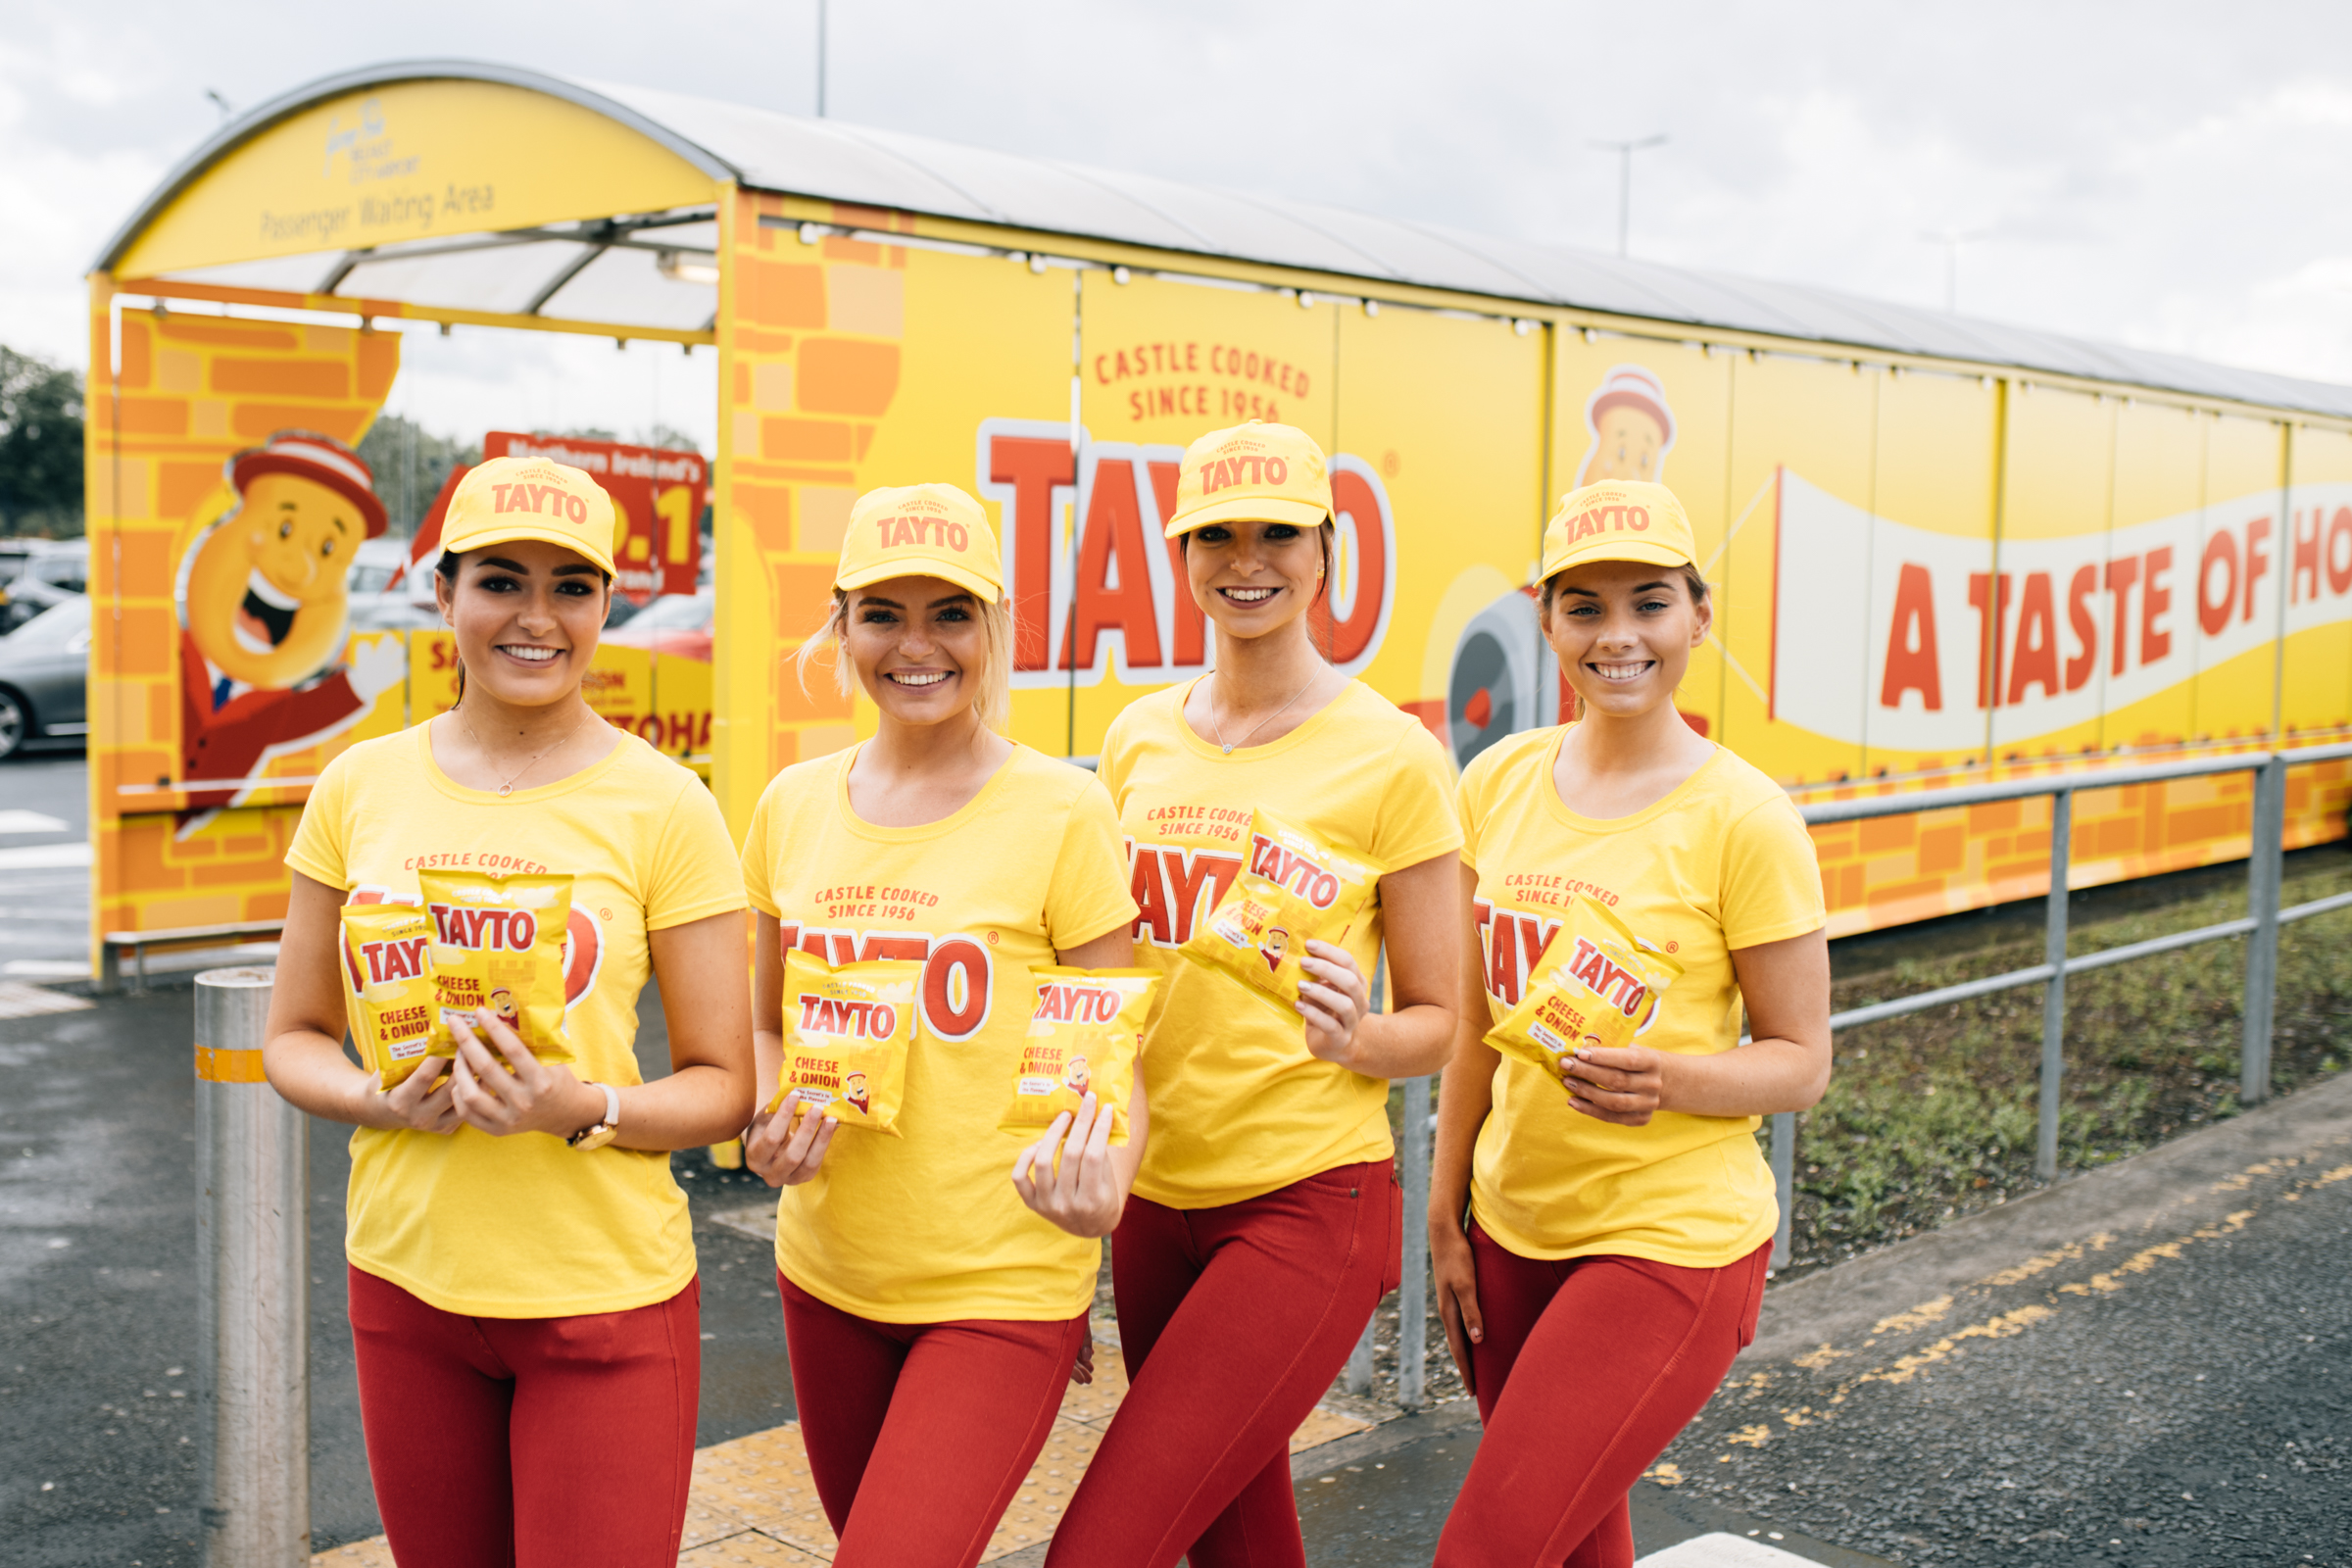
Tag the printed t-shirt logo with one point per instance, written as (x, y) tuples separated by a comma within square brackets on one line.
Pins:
[(958, 972)]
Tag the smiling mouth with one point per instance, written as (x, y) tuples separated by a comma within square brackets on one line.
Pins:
[(530, 653), (919, 679), (1623, 672), (264, 616), (1249, 596)]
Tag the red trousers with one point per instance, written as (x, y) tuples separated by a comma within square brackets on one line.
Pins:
[(528, 1443), (1234, 1321), (1589, 1367), (919, 1434)]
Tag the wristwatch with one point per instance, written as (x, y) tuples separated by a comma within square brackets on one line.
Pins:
[(597, 1134)]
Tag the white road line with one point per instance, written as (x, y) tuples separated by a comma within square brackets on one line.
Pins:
[(21, 822), (1720, 1550)]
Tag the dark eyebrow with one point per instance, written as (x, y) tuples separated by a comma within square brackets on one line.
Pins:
[(504, 564), (577, 569), (953, 599), (337, 519)]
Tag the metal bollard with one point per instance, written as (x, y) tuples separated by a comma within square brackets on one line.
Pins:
[(1412, 1297), (1784, 1181), (2265, 890), (2053, 995), (253, 1458)]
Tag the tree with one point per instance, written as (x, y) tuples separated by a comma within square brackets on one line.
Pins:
[(410, 463), (40, 446)]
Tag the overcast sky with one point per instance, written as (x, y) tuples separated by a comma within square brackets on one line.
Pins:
[(2166, 174)]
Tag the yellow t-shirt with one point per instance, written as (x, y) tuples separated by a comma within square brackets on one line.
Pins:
[(1239, 1105), (926, 1227), (523, 1226), (1722, 863)]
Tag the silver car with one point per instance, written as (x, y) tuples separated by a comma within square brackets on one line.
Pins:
[(44, 676)]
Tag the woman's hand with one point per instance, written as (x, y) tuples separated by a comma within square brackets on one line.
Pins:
[(1084, 1196), (424, 1101), (1619, 1085), (1081, 1371), (521, 1093), (1454, 1271), (785, 1153), (1333, 1000)]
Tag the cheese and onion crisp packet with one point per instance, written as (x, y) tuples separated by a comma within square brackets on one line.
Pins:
[(1295, 887), (1594, 986), (846, 1031), (386, 952), (499, 943), (1084, 1034)]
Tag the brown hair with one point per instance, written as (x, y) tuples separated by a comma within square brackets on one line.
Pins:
[(1692, 585)]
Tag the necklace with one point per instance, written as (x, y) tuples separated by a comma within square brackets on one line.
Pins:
[(1219, 726), (508, 788)]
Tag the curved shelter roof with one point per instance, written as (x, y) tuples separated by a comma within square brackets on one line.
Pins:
[(613, 266)]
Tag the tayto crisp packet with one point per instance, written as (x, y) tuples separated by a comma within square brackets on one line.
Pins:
[(846, 1031), (386, 952), (498, 943), (1594, 986), (1295, 887), (1083, 1033)]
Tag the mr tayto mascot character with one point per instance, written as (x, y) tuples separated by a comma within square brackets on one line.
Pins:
[(1077, 1075), (1631, 428), (265, 598), (853, 1090)]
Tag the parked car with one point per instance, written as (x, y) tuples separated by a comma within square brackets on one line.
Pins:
[(51, 574), (393, 612), (674, 624), (44, 676)]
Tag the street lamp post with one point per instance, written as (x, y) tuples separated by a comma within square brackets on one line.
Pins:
[(1625, 151), (1951, 239)]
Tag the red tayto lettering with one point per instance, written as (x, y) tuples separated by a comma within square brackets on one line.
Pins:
[(1129, 580), (1226, 472), (403, 960), (1605, 980), (910, 528), (545, 500), (1293, 870), (1514, 942), (958, 976), (847, 1017), (1173, 885), (490, 930), (1618, 515), (1060, 1001)]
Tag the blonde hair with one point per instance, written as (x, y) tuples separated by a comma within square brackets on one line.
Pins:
[(993, 705)]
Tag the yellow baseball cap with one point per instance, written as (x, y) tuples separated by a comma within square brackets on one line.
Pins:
[(1618, 519), (532, 498), (1264, 472), (921, 530)]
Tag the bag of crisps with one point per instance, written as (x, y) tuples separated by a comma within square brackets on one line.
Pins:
[(1293, 887), (499, 943), (846, 1031), (385, 952), (1594, 986), (1083, 1033)]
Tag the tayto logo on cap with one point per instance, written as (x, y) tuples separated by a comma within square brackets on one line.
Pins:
[(923, 522), (842, 1018), (1601, 518), (490, 930), (545, 500), (1226, 472)]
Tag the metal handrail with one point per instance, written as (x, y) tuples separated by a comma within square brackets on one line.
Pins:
[(2264, 857)]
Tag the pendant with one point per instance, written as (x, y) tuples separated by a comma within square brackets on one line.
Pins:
[(1228, 750), (504, 790)]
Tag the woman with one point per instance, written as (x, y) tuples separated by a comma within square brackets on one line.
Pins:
[(523, 1303), (1619, 1216), (933, 1310), (1264, 1225)]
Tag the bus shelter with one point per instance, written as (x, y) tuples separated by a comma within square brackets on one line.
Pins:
[(1937, 545)]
